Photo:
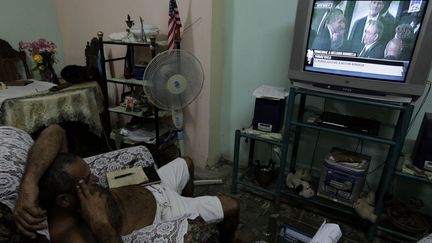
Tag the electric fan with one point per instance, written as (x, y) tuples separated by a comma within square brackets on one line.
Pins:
[(172, 80)]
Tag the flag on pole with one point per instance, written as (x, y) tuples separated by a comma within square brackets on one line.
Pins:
[(174, 23)]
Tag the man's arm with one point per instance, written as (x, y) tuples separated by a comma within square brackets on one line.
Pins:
[(27, 213)]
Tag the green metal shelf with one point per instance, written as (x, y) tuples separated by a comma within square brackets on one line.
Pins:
[(346, 133), (395, 143), (294, 124), (350, 99), (238, 180), (321, 202), (273, 141), (135, 43), (397, 233), (122, 110), (412, 177), (126, 81)]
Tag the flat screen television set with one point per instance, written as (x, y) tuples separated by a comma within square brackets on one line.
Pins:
[(377, 48)]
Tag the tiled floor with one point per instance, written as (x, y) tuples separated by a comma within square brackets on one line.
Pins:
[(257, 211)]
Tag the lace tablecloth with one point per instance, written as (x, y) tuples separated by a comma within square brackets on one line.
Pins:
[(80, 102)]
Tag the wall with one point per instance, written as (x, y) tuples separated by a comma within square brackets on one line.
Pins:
[(217, 55), (29, 21), (258, 38), (80, 20)]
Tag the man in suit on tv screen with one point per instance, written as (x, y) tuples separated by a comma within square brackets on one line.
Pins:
[(373, 45), (393, 50), (328, 37), (374, 14)]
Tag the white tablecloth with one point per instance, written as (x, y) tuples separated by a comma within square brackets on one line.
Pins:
[(33, 107), (37, 87)]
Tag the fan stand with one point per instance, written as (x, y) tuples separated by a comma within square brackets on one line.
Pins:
[(177, 115), (172, 80)]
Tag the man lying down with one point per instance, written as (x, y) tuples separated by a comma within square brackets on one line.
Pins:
[(60, 187)]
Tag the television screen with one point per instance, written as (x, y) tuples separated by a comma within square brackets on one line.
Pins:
[(375, 46), (364, 42)]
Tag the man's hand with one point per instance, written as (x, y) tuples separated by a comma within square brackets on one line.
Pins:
[(93, 205), (27, 214), (95, 213)]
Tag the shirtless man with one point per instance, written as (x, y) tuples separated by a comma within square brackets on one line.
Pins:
[(80, 211)]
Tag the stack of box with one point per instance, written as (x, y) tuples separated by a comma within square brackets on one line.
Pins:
[(344, 176)]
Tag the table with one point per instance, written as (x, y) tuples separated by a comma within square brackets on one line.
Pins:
[(33, 106)]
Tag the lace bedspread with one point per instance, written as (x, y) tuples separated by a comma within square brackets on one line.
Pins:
[(78, 103), (14, 145)]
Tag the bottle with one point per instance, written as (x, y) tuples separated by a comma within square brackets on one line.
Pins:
[(127, 71)]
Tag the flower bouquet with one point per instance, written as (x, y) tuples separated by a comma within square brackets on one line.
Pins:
[(43, 54)]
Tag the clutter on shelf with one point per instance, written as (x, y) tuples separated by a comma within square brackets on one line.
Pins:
[(297, 180), (142, 134), (365, 206), (344, 176), (414, 171), (264, 174), (135, 33), (406, 217)]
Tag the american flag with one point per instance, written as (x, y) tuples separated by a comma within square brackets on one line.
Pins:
[(174, 23)]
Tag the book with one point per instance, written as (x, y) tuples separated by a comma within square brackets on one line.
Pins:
[(132, 176)]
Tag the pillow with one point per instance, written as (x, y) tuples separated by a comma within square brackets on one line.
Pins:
[(74, 74), (14, 146)]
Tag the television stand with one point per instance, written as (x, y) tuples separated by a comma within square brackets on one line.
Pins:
[(349, 123), (362, 95), (295, 122)]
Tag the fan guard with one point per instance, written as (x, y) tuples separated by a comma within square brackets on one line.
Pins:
[(173, 79)]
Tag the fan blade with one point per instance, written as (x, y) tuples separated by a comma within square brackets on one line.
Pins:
[(176, 78)]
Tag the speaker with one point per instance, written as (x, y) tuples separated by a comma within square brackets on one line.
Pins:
[(422, 152), (268, 114)]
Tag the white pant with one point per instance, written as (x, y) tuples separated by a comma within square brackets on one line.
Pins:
[(170, 204)]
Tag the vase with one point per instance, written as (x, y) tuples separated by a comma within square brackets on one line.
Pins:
[(48, 74)]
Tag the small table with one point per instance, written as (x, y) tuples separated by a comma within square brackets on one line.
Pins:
[(33, 106)]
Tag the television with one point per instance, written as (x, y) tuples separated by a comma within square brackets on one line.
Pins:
[(375, 49)]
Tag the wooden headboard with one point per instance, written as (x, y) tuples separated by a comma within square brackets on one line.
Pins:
[(9, 58)]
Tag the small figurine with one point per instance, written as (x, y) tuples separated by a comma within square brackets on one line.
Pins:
[(364, 206), (297, 182), (130, 23)]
